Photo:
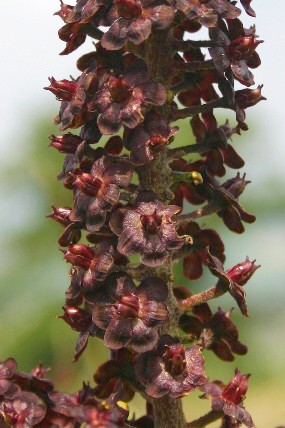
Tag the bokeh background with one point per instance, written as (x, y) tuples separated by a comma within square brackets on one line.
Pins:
[(33, 274)]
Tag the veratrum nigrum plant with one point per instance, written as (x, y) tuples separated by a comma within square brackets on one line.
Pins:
[(136, 205)]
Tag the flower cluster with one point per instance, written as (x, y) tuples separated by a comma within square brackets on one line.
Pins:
[(132, 211)]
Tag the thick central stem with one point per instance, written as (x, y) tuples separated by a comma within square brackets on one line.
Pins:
[(156, 176)]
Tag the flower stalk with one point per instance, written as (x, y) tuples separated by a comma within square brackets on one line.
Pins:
[(128, 223)]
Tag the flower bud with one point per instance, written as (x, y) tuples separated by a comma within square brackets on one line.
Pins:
[(248, 97), (61, 215), (242, 48), (62, 89), (67, 143), (235, 391), (242, 272), (79, 255), (78, 319), (64, 10)]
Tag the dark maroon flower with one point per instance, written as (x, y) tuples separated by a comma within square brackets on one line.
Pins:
[(207, 12), (81, 321), (148, 230), (235, 55), (215, 140), (84, 409), (94, 264), (171, 369), (114, 373), (229, 399), (62, 89), (135, 22), (98, 191), (214, 331), (245, 98), (72, 232), (74, 110), (121, 98), (7, 371), (232, 212), (196, 253), (129, 314), (147, 140), (67, 143), (234, 278), (64, 10), (23, 410)]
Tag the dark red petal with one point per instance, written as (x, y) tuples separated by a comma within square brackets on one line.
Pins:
[(153, 288), (192, 265), (131, 115), (222, 350), (153, 313), (242, 73), (109, 120), (231, 158), (232, 220), (103, 314), (116, 36), (139, 30), (143, 338), (118, 333)]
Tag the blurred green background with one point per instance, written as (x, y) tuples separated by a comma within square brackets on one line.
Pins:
[(34, 277), (33, 274)]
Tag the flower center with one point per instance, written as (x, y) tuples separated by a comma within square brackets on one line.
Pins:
[(119, 89), (128, 306), (128, 9), (174, 360), (88, 184), (151, 223)]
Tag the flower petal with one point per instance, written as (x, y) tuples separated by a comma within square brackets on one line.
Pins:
[(118, 333)]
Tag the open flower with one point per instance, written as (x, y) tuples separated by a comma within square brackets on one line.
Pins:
[(121, 98), (129, 314), (218, 152), (148, 230), (196, 253), (114, 374), (93, 264), (98, 192), (136, 19), (235, 55), (229, 398), (234, 278), (25, 409), (171, 369), (232, 212), (208, 12), (148, 139), (214, 331)]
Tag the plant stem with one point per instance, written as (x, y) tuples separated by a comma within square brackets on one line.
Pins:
[(156, 177)]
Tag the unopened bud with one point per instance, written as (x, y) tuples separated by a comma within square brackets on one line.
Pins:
[(242, 272), (79, 255), (249, 97)]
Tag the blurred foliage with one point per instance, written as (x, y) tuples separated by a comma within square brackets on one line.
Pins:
[(34, 279)]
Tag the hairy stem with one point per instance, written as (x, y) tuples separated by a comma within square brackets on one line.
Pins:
[(202, 297), (156, 177)]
